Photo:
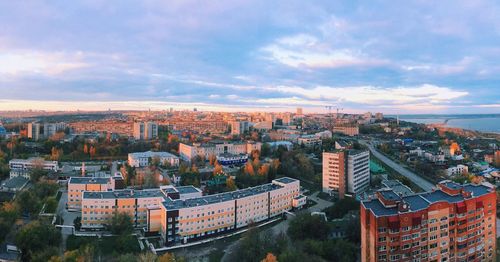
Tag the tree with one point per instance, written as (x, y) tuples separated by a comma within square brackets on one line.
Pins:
[(341, 208), (121, 224), (305, 226), (77, 222), (170, 257), (36, 237), (37, 173), (230, 184), (270, 258)]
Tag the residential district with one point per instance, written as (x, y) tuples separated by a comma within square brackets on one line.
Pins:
[(216, 186)]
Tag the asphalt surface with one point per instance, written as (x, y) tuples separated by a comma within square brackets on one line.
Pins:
[(417, 180)]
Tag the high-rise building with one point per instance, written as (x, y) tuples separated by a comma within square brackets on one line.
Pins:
[(346, 171), (452, 223), (50, 129), (379, 116), (239, 127), (145, 130), (299, 111), (34, 131)]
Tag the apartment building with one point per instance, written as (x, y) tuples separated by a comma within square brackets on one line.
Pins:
[(309, 140), (457, 170), (37, 131), (452, 223), (145, 130), (347, 130), (98, 207), (187, 152), (78, 185), (184, 221), (346, 171), (34, 131), (182, 214), (141, 159), (22, 167), (239, 127)]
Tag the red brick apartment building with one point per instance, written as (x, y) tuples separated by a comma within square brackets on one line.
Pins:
[(452, 223)]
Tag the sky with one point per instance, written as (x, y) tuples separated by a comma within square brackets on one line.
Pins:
[(399, 57)]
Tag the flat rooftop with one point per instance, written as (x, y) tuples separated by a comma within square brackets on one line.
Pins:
[(88, 180), (187, 189), (125, 193), (423, 200), (286, 180), (170, 204)]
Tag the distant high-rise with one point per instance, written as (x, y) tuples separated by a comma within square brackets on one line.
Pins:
[(34, 131), (145, 130), (299, 110), (346, 171), (239, 127)]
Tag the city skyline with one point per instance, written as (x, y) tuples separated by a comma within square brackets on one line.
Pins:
[(410, 57)]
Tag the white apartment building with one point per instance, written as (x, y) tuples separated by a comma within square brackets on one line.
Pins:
[(187, 152), (184, 221), (345, 171), (358, 171), (239, 127), (145, 130), (21, 167), (140, 159), (457, 170)]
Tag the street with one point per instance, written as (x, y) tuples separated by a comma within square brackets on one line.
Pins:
[(68, 218), (417, 180)]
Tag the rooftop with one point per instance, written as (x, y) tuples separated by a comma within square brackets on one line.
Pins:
[(228, 196), (187, 189), (152, 154), (88, 180), (126, 193), (423, 200), (15, 182)]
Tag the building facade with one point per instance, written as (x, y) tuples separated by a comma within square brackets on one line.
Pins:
[(145, 130), (239, 127), (184, 221), (78, 185), (347, 130), (345, 171), (452, 223), (141, 159), (22, 167), (188, 152)]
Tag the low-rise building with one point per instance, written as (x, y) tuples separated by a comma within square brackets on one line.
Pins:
[(347, 130), (22, 167), (141, 159), (457, 170), (78, 185), (189, 151), (309, 140)]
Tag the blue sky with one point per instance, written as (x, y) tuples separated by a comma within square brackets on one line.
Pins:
[(379, 56)]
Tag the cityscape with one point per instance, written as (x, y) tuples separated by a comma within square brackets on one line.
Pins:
[(179, 131)]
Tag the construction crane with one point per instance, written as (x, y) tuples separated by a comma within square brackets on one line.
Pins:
[(329, 108)]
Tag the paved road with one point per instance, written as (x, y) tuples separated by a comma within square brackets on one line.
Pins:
[(420, 182), (68, 218)]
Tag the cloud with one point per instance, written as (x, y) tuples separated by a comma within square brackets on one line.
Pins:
[(48, 63), (308, 51), (372, 95)]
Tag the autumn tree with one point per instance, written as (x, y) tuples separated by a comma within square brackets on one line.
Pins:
[(270, 258)]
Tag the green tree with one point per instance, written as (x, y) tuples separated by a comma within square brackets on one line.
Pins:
[(36, 237), (121, 224), (305, 226), (77, 222), (341, 208)]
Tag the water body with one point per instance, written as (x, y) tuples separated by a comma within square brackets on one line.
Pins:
[(483, 123)]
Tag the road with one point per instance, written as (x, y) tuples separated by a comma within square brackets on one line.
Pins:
[(68, 218), (417, 180)]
